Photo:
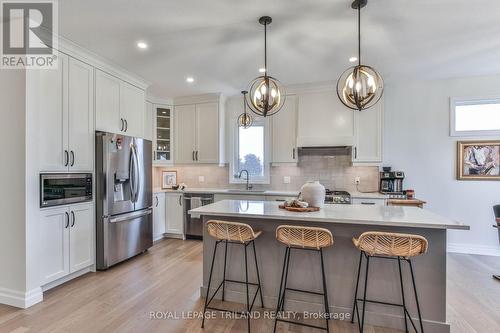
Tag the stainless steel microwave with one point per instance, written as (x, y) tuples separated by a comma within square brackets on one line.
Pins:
[(65, 188)]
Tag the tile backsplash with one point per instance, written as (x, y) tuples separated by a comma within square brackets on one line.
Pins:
[(334, 172)]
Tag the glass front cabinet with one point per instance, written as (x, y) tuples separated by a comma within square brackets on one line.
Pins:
[(163, 134)]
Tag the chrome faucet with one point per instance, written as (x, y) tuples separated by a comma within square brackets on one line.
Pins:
[(249, 186)]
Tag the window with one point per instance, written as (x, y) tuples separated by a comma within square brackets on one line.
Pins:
[(475, 117), (250, 153)]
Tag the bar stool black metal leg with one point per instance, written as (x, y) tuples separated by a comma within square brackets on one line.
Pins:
[(258, 274), (362, 326), (402, 294), (325, 293), (355, 303), (246, 283), (278, 304), (416, 297), (224, 275), (282, 307), (209, 282)]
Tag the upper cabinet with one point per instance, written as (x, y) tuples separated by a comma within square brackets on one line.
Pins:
[(199, 132), (163, 134), (284, 133), (120, 106), (368, 134), (66, 106), (148, 121), (324, 120)]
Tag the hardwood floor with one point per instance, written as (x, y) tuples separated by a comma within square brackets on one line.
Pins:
[(167, 278)]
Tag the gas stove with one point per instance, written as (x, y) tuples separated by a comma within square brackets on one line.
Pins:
[(337, 197)]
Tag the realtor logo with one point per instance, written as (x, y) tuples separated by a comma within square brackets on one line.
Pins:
[(28, 34)]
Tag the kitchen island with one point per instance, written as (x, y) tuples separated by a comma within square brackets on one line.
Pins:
[(341, 260)]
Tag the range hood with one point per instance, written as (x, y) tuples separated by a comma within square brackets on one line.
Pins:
[(325, 151)]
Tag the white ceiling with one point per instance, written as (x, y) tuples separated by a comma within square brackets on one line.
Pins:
[(220, 43)]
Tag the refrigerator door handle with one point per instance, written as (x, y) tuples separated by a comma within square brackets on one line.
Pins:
[(130, 216), (137, 170), (131, 174)]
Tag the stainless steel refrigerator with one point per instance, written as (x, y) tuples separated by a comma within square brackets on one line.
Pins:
[(123, 198)]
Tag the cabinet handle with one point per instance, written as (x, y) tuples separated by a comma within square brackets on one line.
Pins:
[(355, 152), (66, 158), (122, 124), (180, 200), (293, 153), (126, 125), (193, 156), (197, 155), (157, 201), (368, 203), (67, 220), (72, 158), (72, 219)]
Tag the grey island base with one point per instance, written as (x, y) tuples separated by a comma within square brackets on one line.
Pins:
[(341, 260)]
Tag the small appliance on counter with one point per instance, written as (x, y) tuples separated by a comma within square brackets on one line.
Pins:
[(391, 183), (65, 188)]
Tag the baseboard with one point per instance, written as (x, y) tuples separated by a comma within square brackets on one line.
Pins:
[(20, 299), (474, 249), (65, 279)]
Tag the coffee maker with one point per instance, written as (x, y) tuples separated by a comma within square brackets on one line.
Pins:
[(391, 183)]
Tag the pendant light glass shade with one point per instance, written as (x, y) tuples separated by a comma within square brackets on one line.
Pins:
[(360, 87), (266, 94), (245, 120)]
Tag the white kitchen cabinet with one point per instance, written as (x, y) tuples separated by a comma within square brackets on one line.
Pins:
[(323, 120), (159, 217), (120, 106), (132, 109), (67, 242), (284, 133), (148, 121), (185, 133), (107, 103), (163, 117), (199, 132), (174, 210), (368, 135), (66, 106)]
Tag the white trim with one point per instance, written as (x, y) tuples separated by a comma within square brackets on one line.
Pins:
[(484, 250), (20, 299), (66, 278), (471, 101), (197, 99)]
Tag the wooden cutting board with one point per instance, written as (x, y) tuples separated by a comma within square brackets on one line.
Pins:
[(300, 209)]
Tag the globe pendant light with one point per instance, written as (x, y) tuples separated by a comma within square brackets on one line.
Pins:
[(266, 94), (245, 120), (360, 87)]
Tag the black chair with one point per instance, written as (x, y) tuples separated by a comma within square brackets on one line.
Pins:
[(496, 210)]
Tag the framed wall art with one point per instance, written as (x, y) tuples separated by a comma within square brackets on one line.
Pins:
[(478, 160)]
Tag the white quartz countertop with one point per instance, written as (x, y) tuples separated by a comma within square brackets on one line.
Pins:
[(396, 216)]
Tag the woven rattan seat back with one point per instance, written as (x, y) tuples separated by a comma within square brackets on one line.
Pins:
[(231, 231), (304, 237), (391, 244)]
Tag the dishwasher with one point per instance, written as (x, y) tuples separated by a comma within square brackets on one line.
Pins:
[(194, 224)]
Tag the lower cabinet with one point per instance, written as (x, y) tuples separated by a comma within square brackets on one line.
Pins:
[(67, 242), (174, 208), (159, 218)]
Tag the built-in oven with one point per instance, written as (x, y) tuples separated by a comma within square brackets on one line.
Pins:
[(65, 188)]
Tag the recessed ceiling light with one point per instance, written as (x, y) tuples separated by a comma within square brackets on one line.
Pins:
[(142, 45), (190, 79), (353, 59), (262, 70)]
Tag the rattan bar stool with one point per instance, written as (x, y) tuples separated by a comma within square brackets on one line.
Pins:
[(302, 238), (238, 234), (385, 245)]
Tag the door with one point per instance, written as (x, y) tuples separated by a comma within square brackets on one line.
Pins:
[(115, 167), (107, 103), (148, 121), (81, 240), (53, 105), (54, 244), (81, 116), (174, 213), (132, 109), (159, 222), (368, 135), (284, 133), (207, 133), (185, 133), (143, 184)]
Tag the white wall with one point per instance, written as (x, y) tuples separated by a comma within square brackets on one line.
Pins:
[(12, 182), (417, 141)]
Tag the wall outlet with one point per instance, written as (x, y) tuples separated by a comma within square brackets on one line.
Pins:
[(357, 180), (201, 179), (286, 180)]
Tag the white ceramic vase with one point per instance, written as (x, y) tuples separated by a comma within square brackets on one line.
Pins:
[(313, 193)]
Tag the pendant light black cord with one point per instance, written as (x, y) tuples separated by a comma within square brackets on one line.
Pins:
[(359, 33), (265, 49)]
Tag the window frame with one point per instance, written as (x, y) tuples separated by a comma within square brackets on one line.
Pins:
[(461, 101), (266, 179)]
